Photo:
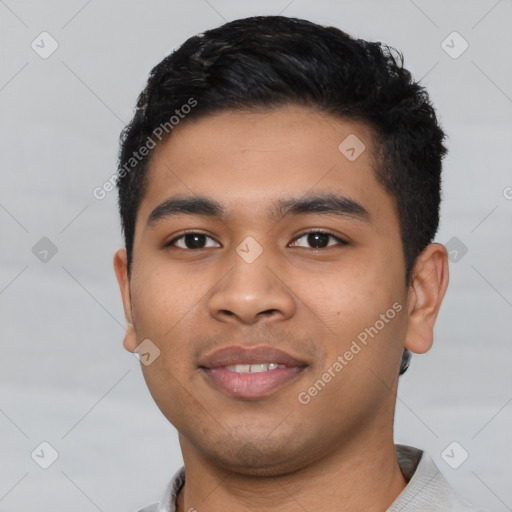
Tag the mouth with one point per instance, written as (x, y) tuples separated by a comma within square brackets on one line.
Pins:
[(250, 373)]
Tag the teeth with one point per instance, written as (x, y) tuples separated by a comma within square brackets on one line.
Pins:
[(261, 367), (240, 368), (254, 368)]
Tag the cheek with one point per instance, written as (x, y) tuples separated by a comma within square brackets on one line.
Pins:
[(363, 345), (164, 308), (162, 297), (167, 384), (359, 311), (348, 298)]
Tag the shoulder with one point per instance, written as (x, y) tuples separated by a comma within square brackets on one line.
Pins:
[(427, 489), (167, 502)]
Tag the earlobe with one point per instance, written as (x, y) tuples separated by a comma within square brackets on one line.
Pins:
[(130, 338), (121, 270), (426, 293)]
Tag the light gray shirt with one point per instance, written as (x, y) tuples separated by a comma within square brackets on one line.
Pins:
[(426, 491)]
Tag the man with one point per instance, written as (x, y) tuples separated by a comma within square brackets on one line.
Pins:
[(279, 190)]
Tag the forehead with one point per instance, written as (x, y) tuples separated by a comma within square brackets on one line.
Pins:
[(249, 161)]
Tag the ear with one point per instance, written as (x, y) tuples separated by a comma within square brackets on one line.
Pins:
[(426, 293), (121, 269)]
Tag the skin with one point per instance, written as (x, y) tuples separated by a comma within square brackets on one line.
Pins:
[(274, 452)]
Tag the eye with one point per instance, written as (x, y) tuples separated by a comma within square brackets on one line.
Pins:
[(320, 239), (197, 241), (191, 240)]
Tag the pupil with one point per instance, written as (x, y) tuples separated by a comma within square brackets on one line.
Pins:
[(313, 239), (194, 243), (318, 240)]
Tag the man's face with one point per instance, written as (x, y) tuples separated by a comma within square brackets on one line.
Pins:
[(257, 277)]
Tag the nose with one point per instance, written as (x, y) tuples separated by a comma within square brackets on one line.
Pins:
[(252, 291)]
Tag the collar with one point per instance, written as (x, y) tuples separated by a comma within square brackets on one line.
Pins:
[(426, 491)]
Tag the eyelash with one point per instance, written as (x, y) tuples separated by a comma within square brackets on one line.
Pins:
[(332, 235)]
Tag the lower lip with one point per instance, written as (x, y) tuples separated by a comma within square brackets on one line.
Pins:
[(251, 385)]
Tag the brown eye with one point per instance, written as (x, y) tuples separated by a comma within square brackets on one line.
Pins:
[(320, 239), (191, 241)]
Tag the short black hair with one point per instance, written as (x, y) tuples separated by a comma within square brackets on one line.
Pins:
[(266, 62)]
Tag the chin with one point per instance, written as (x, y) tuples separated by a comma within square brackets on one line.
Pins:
[(260, 457)]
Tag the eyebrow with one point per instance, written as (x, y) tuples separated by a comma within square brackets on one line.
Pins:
[(328, 203)]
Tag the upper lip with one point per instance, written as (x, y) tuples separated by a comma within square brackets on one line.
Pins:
[(229, 356)]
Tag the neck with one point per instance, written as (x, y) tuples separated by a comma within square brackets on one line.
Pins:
[(363, 477)]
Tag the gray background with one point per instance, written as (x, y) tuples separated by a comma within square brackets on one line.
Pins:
[(65, 377)]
